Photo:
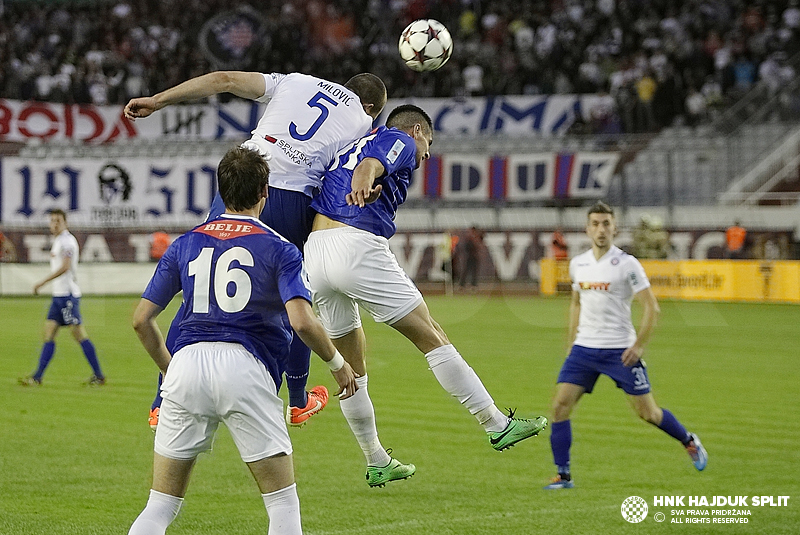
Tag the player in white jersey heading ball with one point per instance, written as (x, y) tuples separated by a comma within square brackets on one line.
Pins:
[(604, 281), (306, 122), (65, 308)]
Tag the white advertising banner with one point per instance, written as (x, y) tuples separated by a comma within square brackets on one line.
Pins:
[(509, 115)]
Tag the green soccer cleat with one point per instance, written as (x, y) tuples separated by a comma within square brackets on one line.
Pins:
[(378, 476), (516, 430)]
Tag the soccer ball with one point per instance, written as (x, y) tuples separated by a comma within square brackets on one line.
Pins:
[(425, 45)]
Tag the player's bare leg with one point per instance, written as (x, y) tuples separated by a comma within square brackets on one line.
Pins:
[(360, 415), (461, 381), (170, 480)]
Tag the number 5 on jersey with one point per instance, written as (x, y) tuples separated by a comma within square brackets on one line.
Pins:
[(315, 102)]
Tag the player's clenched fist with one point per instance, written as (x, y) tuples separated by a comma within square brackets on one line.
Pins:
[(140, 107)]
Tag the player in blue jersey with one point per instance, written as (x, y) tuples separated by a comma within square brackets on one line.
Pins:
[(306, 122), (240, 280), (349, 264), (604, 281)]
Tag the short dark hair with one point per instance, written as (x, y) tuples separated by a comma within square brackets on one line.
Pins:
[(406, 116), (370, 89), (58, 211), (241, 176), (600, 208)]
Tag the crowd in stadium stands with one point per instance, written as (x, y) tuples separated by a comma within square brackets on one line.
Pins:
[(662, 61)]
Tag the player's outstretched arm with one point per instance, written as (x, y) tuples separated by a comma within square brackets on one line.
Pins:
[(144, 323), (311, 332), (242, 84)]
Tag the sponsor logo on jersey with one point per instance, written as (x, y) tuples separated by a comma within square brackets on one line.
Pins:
[(295, 155), (225, 229), (395, 151), (603, 286)]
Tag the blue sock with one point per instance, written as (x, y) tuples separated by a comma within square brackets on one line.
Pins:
[(158, 400), (297, 372), (671, 426), (560, 442), (91, 356), (48, 349)]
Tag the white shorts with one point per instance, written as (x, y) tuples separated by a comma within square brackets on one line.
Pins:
[(209, 382), (348, 267)]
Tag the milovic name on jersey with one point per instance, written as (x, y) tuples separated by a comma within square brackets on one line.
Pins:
[(336, 92)]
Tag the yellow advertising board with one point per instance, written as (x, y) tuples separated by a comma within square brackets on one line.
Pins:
[(712, 280)]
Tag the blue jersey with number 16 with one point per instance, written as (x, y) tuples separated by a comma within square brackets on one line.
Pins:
[(396, 150), (236, 274)]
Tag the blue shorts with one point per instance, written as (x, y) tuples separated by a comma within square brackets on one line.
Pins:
[(286, 212), (65, 310), (584, 365)]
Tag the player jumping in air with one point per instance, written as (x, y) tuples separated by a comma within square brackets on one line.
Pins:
[(349, 264), (604, 341), (306, 122)]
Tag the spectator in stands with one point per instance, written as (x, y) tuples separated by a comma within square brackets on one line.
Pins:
[(159, 243), (645, 90), (95, 52), (695, 107), (650, 240), (473, 243), (8, 252), (559, 247), (735, 241), (446, 247)]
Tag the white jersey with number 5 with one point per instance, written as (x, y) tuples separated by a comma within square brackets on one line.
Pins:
[(307, 121), (606, 288)]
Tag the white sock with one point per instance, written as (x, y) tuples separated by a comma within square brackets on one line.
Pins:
[(461, 381), (283, 509), (360, 416), (158, 514)]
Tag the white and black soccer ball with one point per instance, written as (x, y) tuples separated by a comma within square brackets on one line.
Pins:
[(425, 45)]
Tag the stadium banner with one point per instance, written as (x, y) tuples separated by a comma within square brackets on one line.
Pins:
[(108, 192), (705, 280), (505, 256), (510, 115), (142, 190), (94, 279)]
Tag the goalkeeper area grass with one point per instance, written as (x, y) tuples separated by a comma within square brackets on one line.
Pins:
[(78, 460)]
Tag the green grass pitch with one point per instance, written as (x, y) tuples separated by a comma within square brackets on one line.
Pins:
[(77, 460)]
